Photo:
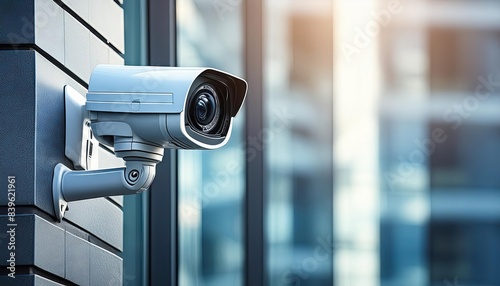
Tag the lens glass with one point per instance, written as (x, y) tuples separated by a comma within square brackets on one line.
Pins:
[(205, 108)]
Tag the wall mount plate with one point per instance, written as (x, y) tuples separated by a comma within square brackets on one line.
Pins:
[(60, 204), (81, 146)]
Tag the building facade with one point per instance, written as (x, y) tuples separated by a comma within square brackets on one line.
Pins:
[(46, 45)]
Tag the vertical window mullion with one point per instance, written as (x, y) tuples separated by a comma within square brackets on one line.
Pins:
[(163, 193), (254, 199)]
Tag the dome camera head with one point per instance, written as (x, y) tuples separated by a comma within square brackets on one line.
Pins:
[(139, 111)]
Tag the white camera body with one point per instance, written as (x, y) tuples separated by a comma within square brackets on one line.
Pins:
[(136, 109)]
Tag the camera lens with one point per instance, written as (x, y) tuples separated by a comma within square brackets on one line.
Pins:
[(205, 108)]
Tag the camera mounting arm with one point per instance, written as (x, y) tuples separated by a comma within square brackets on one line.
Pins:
[(68, 185)]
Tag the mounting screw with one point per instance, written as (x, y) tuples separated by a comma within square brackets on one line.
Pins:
[(133, 176)]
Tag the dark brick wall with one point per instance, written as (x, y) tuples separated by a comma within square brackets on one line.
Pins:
[(45, 45)]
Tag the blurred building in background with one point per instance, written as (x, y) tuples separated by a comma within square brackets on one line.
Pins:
[(211, 184), (296, 139), (381, 142), (298, 83), (440, 62)]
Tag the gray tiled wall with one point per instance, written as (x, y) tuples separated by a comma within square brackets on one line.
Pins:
[(45, 45)]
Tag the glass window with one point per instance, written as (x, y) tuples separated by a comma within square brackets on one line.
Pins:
[(466, 251), (211, 183), (298, 156), (468, 159), (439, 148), (458, 55)]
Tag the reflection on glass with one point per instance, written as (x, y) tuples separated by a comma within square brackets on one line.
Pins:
[(439, 143), (298, 101), (356, 147), (468, 159), (211, 183), (457, 55), (381, 145)]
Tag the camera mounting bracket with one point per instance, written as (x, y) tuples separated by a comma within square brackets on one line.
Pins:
[(68, 185), (80, 144)]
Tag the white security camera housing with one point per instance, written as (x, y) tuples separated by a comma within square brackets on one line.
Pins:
[(140, 111), (186, 108)]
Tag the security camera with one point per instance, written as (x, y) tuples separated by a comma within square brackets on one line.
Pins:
[(142, 109), (138, 112)]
